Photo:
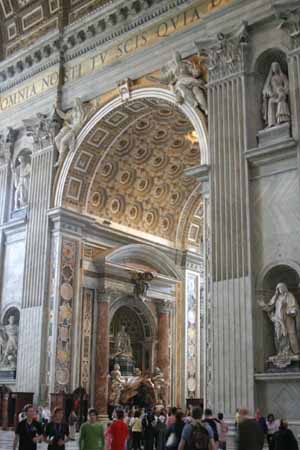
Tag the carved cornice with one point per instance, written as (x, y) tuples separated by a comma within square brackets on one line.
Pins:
[(226, 55), (37, 59), (99, 28), (288, 15)]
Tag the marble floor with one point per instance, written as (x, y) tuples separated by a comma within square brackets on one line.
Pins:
[(6, 442)]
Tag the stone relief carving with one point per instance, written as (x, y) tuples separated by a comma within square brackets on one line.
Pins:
[(284, 312), (185, 80), (275, 108), (21, 178), (226, 54), (73, 121), (9, 343)]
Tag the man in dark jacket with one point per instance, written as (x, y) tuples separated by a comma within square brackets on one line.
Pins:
[(250, 434), (284, 438)]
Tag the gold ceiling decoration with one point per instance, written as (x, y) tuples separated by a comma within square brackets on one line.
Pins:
[(130, 169)]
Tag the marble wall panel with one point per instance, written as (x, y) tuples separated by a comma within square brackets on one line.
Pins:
[(13, 269)]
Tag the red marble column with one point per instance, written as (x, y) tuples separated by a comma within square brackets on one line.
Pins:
[(163, 360), (102, 356), (5, 411)]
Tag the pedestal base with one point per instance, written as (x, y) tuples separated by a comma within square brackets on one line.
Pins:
[(274, 135)]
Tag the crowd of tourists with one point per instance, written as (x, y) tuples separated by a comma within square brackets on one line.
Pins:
[(153, 429)]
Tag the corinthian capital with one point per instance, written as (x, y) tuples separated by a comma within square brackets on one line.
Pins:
[(226, 55), (42, 128), (288, 15)]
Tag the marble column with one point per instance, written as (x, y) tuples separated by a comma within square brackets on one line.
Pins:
[(4, 406), (32, 336), (163, 358), (102, 355)]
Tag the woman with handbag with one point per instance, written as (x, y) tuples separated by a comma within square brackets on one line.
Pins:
[(174, 432)]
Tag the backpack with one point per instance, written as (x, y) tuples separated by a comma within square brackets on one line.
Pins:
[(199, 438)]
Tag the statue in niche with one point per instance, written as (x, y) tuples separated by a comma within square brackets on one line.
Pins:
[(9, 344), (185, 80), (116, 385), (73, 122), (284, 312), (21, 177), (159, 385), (123, 344), (275, 97)]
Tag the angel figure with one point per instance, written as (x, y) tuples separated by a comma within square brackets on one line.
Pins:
[(73, 121), (184, 79)]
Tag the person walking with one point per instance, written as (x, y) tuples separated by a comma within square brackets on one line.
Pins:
[(284, 438), (56, 433), (119, 432), (72, 420), (136, 429), (197, 435), (91, 435), (161, 429), (212, 422), (29, 432), (250, 434), (273, 426), (174, 432), (149, 429), (222, 431), (171, 416)]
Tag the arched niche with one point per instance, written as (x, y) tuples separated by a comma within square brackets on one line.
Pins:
[(261, 69), (139, 323)]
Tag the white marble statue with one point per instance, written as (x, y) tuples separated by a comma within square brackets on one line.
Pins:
[(21, 177), (73, 122), (123, 344), (116, 384), (284, 312), (159, 383), (9, 344), (185, 80), (275, 97)]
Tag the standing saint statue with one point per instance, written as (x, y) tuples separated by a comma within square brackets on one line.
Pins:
[(74, 119), (9, 344), (21, 177), (123, 343), (284, 312), (275, 97)]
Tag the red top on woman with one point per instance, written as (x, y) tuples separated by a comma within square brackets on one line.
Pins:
[(119, 433)]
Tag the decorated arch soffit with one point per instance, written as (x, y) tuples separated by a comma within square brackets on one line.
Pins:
[(129, 170)]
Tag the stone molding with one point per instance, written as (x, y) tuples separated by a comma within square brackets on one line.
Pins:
[(101, 27)]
